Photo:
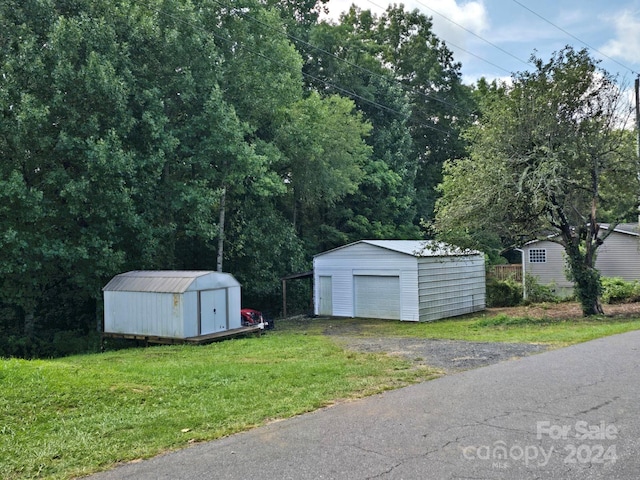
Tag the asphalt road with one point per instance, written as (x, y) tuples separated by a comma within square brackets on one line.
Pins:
[(572, 413)]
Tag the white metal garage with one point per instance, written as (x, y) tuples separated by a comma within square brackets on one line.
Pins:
[(171, 304), (398, 279)]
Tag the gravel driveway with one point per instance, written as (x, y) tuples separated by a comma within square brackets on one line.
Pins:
[(448, 355)]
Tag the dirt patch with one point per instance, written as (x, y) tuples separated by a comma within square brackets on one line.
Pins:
[(448, 355), (565, 310)]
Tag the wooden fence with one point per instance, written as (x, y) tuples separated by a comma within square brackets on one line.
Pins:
[(504, 272)]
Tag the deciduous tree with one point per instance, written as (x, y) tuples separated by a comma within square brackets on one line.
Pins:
[(544, 158)]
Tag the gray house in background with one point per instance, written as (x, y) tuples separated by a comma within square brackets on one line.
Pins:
[(618, 256)]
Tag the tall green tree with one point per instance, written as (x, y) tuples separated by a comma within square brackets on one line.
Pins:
[(117, 144), (441, 106), (344, 56), (407, 84), (323, 147), (546, 156)]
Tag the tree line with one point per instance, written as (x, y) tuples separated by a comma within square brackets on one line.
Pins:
[(241, 136), (204, 134)]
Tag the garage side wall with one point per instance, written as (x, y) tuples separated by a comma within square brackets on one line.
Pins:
[(451, 286), (233, 305), (144, 313), (344, 264)]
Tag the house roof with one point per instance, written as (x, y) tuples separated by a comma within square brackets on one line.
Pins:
[(416, 248), (166, 281), (626, 228)]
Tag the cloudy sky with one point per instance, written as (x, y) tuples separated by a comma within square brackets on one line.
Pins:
[(493, 38)]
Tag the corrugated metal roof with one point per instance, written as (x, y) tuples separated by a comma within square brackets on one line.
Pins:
[(416, 248), (158, 281)]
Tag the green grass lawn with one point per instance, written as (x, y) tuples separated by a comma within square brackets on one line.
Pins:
[(73, 416), (480, 327)]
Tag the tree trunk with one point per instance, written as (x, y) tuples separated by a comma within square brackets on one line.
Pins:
[(223, 199), (588, 288), (586, 278), (29, 324)]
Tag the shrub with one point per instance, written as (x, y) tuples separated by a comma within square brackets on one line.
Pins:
[(48, 343), (537, 293), (617, 290), (504, 293)]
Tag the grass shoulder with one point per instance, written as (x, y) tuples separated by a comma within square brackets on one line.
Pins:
[(555, 324), (69, 417)]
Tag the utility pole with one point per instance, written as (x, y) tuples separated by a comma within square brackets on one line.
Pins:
[(637, 91)]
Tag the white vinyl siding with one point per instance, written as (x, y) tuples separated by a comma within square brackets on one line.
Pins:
[(619, 256), (377, 296), (552, 271)]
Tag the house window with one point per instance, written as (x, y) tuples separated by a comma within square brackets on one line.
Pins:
[(538, 255)]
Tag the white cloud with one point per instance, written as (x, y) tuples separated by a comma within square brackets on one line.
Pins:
[(452, 19), (626, 43), (471, 15)]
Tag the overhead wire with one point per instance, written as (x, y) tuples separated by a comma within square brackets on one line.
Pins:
[(277, 62), (472, 33), (478, 57), (475, 34), (344, 60), (575, 38)]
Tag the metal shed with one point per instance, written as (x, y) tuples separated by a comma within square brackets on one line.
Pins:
[(171, 304), (409, 280)]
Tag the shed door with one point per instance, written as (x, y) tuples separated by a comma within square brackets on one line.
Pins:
[(213, 311), (377, 296), (325, 305)]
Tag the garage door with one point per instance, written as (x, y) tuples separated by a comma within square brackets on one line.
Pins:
[(377, 296)]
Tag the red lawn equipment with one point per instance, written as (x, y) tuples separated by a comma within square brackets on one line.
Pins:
[(252, 317)]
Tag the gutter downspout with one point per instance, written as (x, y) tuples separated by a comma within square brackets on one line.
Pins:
[(524, 285)]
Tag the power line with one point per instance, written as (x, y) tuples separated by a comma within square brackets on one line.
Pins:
[(480, 58), (344, 60), (575, 38), (276, 62), (474, 34)]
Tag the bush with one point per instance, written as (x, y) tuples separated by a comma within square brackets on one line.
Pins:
[(537, 293), (48, 344), (617, 290), (504, 293)]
